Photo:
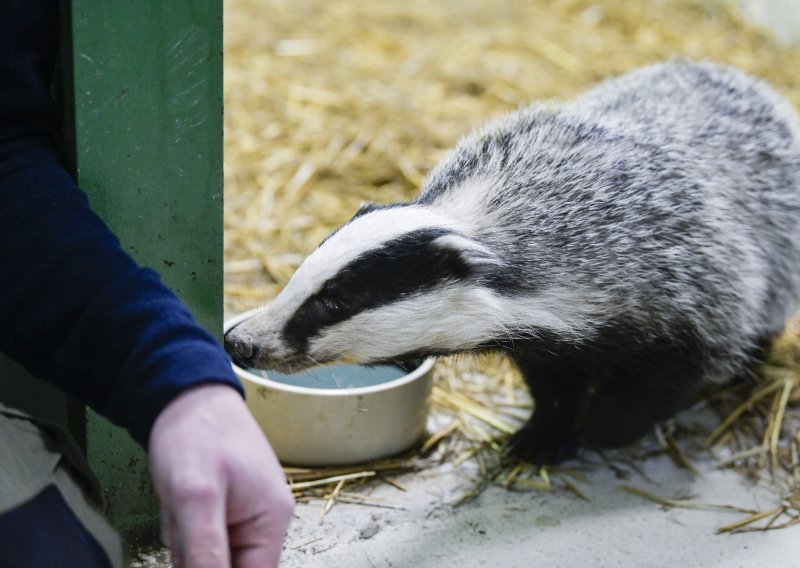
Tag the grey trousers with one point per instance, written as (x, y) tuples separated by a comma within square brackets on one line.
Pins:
[(36, 456)]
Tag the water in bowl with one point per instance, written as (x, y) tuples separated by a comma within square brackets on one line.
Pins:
[(337, 376)]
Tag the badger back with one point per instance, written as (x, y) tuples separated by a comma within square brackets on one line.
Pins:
[(669, 198)]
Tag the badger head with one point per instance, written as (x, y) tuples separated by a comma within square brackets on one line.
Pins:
[(395, 282)]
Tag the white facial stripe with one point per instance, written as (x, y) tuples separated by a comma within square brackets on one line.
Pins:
[(455, 318), (352, 240), (444, 320)]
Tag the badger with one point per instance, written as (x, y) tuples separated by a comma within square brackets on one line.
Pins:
[(623, 249)]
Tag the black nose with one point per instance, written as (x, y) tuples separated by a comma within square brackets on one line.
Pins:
[(240, 350)]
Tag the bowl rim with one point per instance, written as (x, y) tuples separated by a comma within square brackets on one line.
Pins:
[(243, 373)]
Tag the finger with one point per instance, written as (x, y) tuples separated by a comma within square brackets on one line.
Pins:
[(256, 542), (167, 527), (169, 538), (165, 524), (257, 557), (200, 530)]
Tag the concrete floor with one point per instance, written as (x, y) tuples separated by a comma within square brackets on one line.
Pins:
[(510, 529), (420, 528)]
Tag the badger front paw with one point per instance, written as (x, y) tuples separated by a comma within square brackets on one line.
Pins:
[(539, 445)]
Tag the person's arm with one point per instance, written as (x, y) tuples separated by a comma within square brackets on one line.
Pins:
[(77, 311)]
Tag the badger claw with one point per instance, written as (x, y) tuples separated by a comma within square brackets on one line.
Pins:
[(541, 446)]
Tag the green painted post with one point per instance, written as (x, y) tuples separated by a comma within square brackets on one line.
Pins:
[(145, 139)]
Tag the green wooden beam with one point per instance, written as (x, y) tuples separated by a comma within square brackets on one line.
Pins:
[(143, 100)]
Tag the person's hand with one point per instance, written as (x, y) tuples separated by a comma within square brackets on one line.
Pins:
[(224, 497)]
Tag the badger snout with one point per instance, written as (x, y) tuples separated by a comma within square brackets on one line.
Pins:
[(257, 343), (241, 348)]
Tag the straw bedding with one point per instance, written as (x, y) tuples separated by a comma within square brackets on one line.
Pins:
[(329, 104)]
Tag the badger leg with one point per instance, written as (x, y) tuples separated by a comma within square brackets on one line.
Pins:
[(636, 392), (550, 435), (608, 393)]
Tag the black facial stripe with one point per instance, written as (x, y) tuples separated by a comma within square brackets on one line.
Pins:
[(404, 266)]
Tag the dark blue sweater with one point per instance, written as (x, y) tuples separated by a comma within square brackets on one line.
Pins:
[(75, 309)]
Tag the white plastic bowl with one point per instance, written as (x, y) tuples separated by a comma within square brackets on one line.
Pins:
[(338, 426)]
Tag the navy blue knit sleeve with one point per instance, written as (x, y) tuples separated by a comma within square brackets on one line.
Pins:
[(75, 309)]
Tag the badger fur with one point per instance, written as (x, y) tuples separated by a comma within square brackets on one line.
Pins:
[(622, 249)]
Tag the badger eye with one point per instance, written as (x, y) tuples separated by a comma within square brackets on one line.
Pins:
[(332, 305)]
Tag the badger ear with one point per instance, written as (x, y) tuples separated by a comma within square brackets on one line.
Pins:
[(365, 208), (477, 256)]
